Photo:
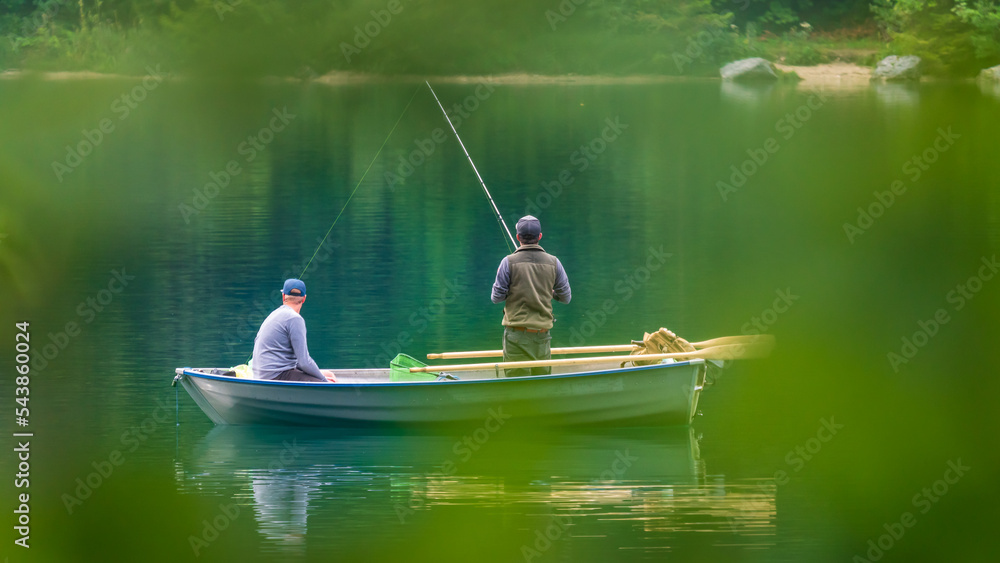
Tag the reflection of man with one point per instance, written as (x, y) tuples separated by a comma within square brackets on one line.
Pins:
[(528, 280), (281, 501), (279, 350)]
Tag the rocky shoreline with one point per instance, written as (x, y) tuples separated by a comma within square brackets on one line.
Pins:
[(840, 75), (837, 75)]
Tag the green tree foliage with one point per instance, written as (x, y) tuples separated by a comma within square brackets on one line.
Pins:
[(684, 36), (75, 34), (432, 37), (951, 37), (781, 14), (286, 37), (655, 16), (984, 16)]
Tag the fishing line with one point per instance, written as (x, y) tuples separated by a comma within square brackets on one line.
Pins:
[(372, 163), (500, 221)]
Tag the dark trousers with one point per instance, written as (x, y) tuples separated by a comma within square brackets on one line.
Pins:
[(521, 346), (295, 374)]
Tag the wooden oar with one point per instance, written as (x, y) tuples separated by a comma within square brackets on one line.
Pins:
[(723, 340), (555, 351), (725, 352)]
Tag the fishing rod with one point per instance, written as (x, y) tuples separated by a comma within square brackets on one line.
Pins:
[(500, 220)]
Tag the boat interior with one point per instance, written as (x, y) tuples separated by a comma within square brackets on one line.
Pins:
[(397, 375)]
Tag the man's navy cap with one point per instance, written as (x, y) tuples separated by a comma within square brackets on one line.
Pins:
[(529, 227), (293, 284)]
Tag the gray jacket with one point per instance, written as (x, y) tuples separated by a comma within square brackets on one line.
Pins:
[(280, 345)]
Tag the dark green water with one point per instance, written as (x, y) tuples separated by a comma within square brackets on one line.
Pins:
[(759, 477)]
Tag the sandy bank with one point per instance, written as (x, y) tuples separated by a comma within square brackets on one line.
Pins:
[(832, 75)]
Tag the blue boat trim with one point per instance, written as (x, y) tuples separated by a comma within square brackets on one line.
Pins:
[(189, 372)]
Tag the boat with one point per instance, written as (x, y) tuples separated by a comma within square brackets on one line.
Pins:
[(579, 392), (578, 395)]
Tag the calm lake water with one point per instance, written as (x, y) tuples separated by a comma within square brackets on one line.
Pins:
[(708, 209)]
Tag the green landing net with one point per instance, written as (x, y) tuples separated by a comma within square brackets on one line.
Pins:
[(399, 369)]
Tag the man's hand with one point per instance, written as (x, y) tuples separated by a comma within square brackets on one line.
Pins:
[(328, 375)]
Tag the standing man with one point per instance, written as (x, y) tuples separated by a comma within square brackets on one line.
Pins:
[(528, 280), (279, 350)]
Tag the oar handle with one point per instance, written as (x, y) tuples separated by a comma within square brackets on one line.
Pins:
[(761, 339), (555, 351)]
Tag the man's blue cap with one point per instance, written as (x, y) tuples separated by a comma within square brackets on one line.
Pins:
[(529, 227), (294, 285)]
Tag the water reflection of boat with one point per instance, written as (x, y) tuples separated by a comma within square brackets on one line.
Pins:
[(650, 482)]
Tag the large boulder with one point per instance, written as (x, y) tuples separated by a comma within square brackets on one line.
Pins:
[(989, 81), (749, 70), (991, 74), (897, 69)]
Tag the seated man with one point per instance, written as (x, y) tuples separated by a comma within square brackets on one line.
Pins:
[(279, 349)]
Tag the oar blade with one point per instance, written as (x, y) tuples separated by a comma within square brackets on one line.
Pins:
[(747, 351)]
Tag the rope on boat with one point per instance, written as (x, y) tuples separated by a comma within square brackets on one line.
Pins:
[(372, 163), (663, 341)]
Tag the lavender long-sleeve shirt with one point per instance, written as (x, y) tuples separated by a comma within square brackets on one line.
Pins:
[(280, 345)]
